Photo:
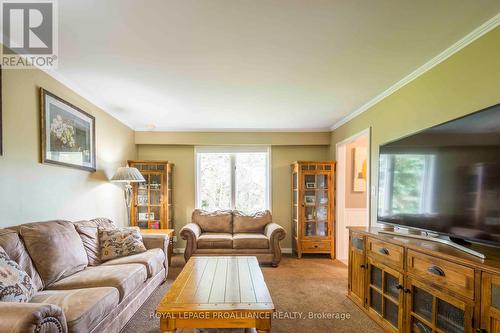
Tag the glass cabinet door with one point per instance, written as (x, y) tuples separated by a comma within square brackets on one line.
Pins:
[(155, 196), (316, 205), (295, 203), (149, 201), (432, 311), (385, 295), (490, 303)]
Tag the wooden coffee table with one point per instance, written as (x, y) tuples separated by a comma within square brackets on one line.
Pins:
[(217, 292)]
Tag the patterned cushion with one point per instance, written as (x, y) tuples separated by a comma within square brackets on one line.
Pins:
[(15, 284), (120, 242)]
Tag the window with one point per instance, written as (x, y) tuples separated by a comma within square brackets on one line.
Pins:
[(405, 183), (232, 178)]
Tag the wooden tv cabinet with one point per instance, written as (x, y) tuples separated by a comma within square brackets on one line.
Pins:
[(419, 286)]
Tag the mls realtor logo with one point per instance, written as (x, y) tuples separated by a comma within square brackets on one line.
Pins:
[(29, 34)]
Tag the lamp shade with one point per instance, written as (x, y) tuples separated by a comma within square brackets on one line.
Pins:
[(128, 175)]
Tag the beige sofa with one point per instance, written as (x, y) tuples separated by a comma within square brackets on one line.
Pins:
[(75, 291), (233, 233)]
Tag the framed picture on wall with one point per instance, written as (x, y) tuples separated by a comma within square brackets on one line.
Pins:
[(359, 172), (67, 133)]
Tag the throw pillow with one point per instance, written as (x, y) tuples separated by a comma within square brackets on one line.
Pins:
[(120, 242), (218, 221), (254, 223), (90, 240), (15, 284)]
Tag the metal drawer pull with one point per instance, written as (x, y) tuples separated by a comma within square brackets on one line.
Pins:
[(363, 266), (383, 250), (399, 287), (435, 270)]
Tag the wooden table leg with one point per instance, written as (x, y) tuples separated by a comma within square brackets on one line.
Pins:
[(167, 325), (170, 251), (263, 325)]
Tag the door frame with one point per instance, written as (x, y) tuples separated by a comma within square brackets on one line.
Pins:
[(340, 230)]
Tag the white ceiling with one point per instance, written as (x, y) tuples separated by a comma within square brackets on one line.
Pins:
[(250, 65)]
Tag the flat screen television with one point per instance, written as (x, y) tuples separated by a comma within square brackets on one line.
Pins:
[(445, 179)]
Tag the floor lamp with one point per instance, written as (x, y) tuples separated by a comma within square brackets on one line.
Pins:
[(128, 175)]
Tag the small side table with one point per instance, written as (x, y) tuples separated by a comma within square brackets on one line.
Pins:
[(169, 233)]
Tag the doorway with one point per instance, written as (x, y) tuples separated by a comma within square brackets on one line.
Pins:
[(352, 188)]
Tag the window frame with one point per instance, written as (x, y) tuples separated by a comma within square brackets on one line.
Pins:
[(233, 150)]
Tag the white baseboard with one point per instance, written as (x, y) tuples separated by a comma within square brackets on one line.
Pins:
[(286, 250)]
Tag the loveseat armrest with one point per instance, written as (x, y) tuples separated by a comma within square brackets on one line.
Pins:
[(275, 233), (190, 233), (159, 241), (31, 318)]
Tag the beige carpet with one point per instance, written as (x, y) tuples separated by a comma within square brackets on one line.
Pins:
[(310, 285)]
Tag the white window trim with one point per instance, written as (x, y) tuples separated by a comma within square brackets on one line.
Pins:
[(232, 149)]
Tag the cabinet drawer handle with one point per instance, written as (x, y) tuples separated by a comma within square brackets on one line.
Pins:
[(399, 287), (435, 270), (362, 266), (408, 291), (384, 251)]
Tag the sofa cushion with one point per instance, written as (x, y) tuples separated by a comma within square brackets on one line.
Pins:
[(15, 284), (125, 278), (83, 308), (90, 237), (15, 249), (56, 249), (219, 221), (250, 241), (211, 240), (251, 223), (120, 242), (151, 259)]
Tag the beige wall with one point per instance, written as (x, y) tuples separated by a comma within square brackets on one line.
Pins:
[(466, 82), (233, 138), (31, 191), (184, 197)]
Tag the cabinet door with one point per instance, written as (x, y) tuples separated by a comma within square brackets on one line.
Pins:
[(430, 310), (316, 204), (357, 268), (490, 303), (385, 295)]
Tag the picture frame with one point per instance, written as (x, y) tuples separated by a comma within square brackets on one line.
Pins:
[(67, 133), (143, 216), (359, 173), (310, 199), (310, 185)]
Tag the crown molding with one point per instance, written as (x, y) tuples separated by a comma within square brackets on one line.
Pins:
[(457, 46), (56, 75)]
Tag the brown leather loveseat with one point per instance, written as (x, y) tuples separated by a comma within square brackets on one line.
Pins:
[(233, 233)]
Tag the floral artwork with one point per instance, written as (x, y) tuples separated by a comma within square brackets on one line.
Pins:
[(67, 134)]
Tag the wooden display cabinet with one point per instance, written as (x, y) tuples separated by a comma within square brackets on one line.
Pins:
[(419, 286), (152, 201), (312, 207)]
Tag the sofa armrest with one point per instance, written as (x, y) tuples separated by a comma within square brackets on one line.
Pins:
[(275, 233), (157, 241), (190, 230), (31, 318), (190, 233)]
